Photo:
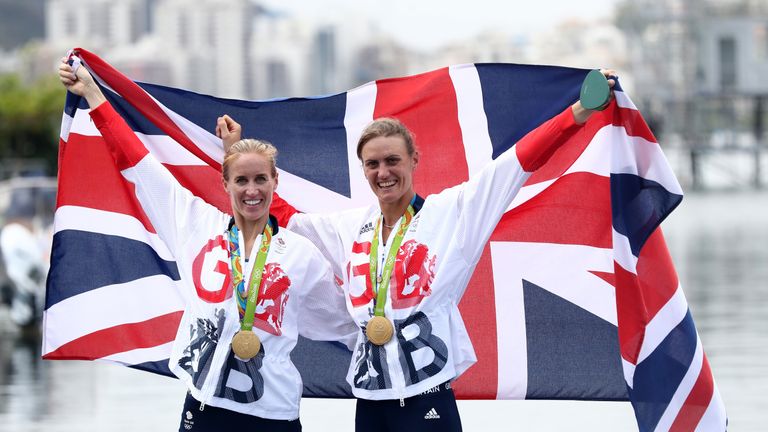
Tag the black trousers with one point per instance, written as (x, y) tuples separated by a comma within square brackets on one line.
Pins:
[(219, 419), (434, 410)]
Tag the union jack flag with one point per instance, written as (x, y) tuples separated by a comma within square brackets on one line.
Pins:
[(575, 296)]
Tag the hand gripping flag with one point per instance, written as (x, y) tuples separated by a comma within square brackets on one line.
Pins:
[(575, 296)]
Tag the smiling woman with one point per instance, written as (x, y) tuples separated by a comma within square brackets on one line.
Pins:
[(236, 334), (406, 263), (389, 159), (249, 175)]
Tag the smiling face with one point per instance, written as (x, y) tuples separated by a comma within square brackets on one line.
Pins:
[(389, 169), (250, 184)]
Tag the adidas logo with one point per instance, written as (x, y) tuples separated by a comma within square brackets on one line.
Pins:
[(431, 414), (367, 227)]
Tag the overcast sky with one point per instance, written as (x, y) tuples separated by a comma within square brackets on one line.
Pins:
[(426, 24)]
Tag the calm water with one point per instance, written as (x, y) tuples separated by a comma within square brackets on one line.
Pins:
[(719, 243)]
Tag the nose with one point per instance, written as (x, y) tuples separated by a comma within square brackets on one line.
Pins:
[(251, 189), (383, 172)]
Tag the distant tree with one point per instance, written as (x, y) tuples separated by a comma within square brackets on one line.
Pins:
[(30, 116)]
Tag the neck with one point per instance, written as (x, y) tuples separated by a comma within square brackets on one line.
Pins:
[(393, 211), (250, 229)]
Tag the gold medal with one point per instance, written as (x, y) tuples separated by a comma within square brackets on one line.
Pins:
[(246, 344), (379, 330)]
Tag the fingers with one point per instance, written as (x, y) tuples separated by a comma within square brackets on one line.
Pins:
[(83, 75), (221, 127), (65, 71), (228, 130), (232, 125), (66, 76), (611, 75), (226, 125)]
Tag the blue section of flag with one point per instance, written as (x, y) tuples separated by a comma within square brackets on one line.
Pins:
[(639, 206), (72, 103), (309, 133), (96, 258), (658, 376), (544, 90), (572, 353), (136, 120), (323, 368), (159, 367)]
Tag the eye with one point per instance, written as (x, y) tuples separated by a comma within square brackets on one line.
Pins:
[(261, 179), (393, 160), (371, 164), (241, 180)]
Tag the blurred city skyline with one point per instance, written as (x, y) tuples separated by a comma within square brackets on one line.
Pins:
[(266, 49), (434, 24)]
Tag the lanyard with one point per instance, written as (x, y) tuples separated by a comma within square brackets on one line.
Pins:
[(389, 264), (246, 300)]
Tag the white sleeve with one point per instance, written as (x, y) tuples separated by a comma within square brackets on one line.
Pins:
[(482, 201), (478, 204), (323, 315), (332, 233), (173, 210)]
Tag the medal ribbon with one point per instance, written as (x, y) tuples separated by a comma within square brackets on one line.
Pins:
[(389, 264), (246, 300)]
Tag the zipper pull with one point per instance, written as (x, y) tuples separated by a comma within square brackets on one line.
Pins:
[(402, 402), (202, 406)]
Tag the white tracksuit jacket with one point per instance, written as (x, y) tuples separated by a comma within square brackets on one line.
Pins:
[(434, 264), (298, 282)]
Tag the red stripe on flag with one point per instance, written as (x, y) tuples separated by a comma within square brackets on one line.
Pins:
[(608, 277), (62, 149), (204, 182), (658, 279), (575, 209), (697, 402), (633, 122), (569, 152), (427, 105), (481, 380), (88, 177), (639, 297), (140, 100), (121, 338), (631, 315), (566, 155)]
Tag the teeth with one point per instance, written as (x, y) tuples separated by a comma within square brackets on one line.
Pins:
[(252, 202), (387, 184)]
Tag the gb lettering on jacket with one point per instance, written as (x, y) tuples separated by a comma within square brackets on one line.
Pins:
[(411, 280), (213, 284)]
